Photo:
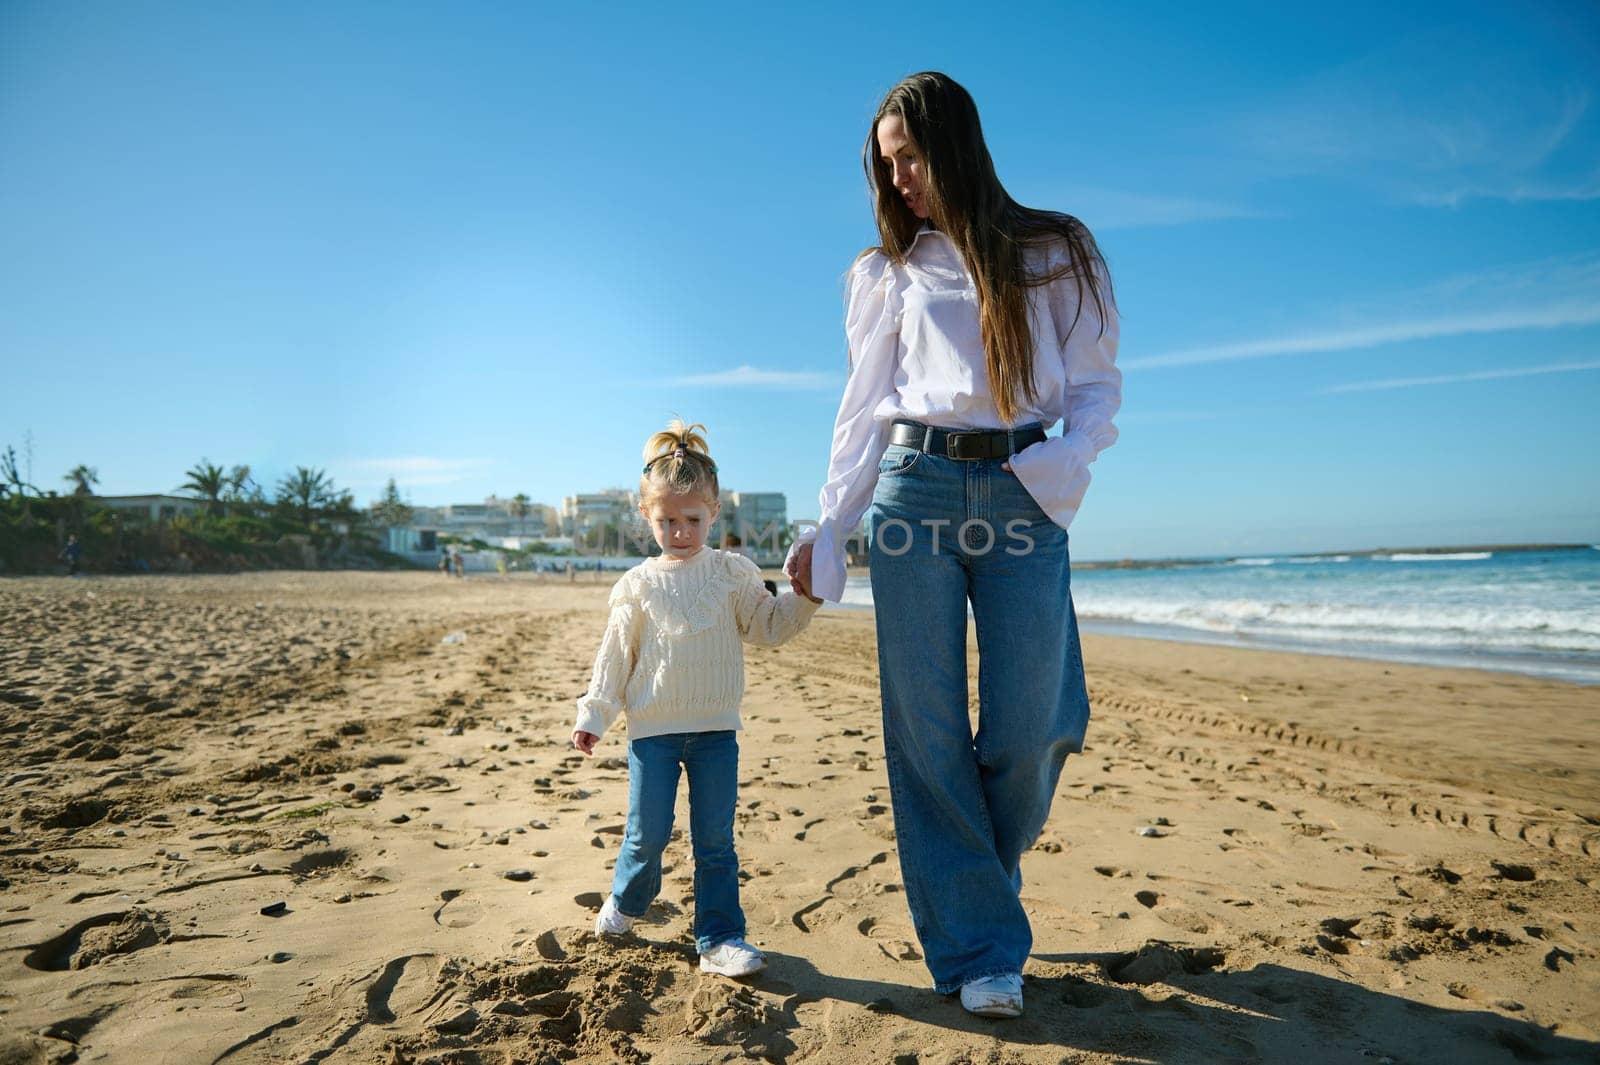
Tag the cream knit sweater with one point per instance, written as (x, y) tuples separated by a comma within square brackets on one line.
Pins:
[(672, 656)]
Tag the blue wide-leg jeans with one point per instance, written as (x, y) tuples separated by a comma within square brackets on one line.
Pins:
[(945, 533), (711, 760)]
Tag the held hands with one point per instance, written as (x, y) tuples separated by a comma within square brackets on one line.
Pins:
[(798, 569), (585, 741)]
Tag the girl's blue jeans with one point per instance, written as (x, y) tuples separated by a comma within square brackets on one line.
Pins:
[(945, 533), (711, 760)]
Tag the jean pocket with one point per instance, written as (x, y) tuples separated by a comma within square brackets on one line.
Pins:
[(897, 460), (1013, 502)]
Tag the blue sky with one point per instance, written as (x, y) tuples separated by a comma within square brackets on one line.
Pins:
[(488, 248)]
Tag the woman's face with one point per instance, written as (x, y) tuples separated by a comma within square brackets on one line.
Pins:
[(904, 160)]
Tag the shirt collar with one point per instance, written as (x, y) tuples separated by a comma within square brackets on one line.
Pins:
[(926, 231)]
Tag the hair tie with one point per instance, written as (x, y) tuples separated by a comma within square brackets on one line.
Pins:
[(679, 453)]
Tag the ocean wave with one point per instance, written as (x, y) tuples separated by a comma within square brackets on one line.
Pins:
[(1459, 556), (1435, 626), (1291, 560)]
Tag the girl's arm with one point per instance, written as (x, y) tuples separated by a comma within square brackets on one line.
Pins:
[(765, 619), (599, 707)]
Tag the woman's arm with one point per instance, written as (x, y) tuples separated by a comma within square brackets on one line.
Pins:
[(1056, 471), (872, 326)]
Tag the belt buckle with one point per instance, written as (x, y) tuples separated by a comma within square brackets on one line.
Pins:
[(951, 444)]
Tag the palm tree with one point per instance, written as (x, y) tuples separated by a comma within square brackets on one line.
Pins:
[(390, 509), (207, 482), (14, 479), (520, 510), (83, 479), (307, 491), (239, 485)]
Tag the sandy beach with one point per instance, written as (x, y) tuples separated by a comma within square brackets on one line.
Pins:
[(1261, 856)]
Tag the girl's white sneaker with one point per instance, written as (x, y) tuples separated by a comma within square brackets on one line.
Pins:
[(612, 921), (994, 996), (733, 958)]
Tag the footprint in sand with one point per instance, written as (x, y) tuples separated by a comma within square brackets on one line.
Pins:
[(405, 986), (845, 885), (97, 938), (807, 827), (549, 947), (891, 939), (1155, 961), (460, 909)]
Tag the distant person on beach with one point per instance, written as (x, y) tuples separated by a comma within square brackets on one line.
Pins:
[(974, 326), (672, 659), (72, 554), (457, 562), (444, 561), (735, 543)]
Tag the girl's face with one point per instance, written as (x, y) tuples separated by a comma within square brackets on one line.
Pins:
[(680, 523), (905, 163)]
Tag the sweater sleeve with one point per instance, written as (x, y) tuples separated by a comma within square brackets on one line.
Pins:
[(599, 707), (764, 619), (1056, 471)]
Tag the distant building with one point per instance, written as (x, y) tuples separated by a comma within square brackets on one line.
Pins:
[(541, 520), (616, 507), (156, 508), (490, 520), (759, 519)]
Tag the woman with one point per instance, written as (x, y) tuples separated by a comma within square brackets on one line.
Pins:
[(974, 326)]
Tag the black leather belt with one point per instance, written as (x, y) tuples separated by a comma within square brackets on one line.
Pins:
[(964, 444)]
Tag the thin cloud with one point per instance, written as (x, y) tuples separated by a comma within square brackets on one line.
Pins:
[(1551, 294), (1377, 335), (410, 471), (1108, 209), (750, 377), (1161, 417), (1435, 119), (1450, 379), (1521, 193)]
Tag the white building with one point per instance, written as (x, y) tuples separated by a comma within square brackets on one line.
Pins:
[(759, 519), (154, 508), (617, 507)]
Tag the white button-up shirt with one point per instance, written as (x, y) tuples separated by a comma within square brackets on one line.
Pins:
[(916, 351)]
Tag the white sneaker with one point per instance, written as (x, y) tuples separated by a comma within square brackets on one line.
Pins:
[(994, 996), (733, 958), (612, 921)]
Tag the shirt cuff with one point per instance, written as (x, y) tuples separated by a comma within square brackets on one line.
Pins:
[(1056, 474), (828, 562)]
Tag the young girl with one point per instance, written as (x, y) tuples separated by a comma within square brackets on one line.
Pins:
[(671, 658)]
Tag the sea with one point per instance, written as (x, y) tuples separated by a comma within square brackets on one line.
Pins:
[(1523, 611)]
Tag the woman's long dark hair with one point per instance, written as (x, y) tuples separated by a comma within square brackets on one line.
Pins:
[(969, 205)]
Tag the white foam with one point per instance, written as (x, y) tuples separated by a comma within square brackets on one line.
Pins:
[(1460, 626), (1459, 556)]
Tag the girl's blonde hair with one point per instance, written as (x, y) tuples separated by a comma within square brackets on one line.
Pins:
[(676, 462)]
